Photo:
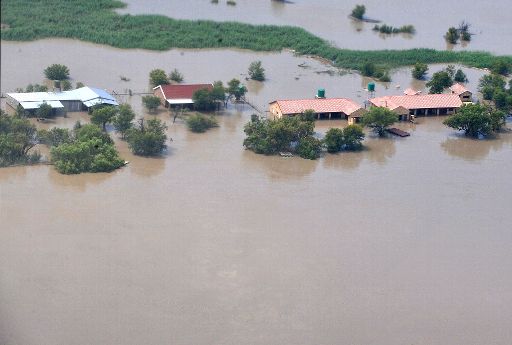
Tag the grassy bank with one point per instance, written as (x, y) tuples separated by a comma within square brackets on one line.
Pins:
[(95, 21)]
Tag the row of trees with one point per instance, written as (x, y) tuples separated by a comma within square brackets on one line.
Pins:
[(159, 77), (493, 89)]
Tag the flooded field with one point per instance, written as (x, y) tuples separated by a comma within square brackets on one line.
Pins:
[(328, 19), (407, 242)]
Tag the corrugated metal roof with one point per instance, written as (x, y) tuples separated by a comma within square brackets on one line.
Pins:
[(37, 104), (82, 94), (418, 101), (181, 91), (319, 105)]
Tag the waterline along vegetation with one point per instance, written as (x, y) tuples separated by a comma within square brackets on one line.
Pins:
[(96, 21)]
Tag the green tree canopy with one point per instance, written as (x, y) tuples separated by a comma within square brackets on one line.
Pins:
[(203, 100), (176, 76), (452, 35), (476, 120), (378, 119), (147, 138), (151, 102), (158, 77), (17, 137), (419, 70), (333, 140), (102, 115), (353, 136), (460, 76), (359, 11), (236, 89), (440, 81), (123, 120), (199, 123), (256, 71), (45, 111), (56, 72)]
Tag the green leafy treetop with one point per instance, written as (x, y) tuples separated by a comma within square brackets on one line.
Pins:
[(176, 76), (359, 11), (419, 70), (378, 119), (158, 77), (102, 115), (147, 138), (440, 81), (476, 120), (56, 72), (123, 120), (256, 71), (151, 102), (236, 89), (17, 137)]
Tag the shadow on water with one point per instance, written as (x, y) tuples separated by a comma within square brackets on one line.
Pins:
[(380, 150), (79, 182), (470, 149), (343, 160)]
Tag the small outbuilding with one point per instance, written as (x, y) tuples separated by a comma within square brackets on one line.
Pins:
[(461, 91), (179, 94)]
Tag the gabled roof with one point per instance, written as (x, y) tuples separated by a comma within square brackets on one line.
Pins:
[(88, 95), (418, 101), (319, 105), (181, 91), (458, 89), (411, 92)]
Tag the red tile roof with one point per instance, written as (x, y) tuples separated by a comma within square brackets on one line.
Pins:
[(411, 92), (418, 101), (319, 105), (182, 91), (458, 89)]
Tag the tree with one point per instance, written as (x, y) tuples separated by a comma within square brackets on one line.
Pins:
[(44, 111), (158, 77), (79, 85), (236, 89), (123, 120), (65, 85), (309, 147), (90, 151), (450, 69), (353, 136), (17, 137), (359, 11), (56, 72), (476, 120), (151, 102), (199, 123), (368, 69), (501, 67), (452, 35), (55, 136), (176, 76), (148, 138), (440, 81), (460, 76), (203, 100), (378, 119), (333, 140), (102, 115), (256, 71), (419, 70), (218, 92), (308, 115)]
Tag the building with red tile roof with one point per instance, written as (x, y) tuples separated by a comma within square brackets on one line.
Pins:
[(179, 94), (461, 91), (432, 104), (323, 108), (411, 92)]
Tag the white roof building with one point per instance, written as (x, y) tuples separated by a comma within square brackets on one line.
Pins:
[(89, 96)]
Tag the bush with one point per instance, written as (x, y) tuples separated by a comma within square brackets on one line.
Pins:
[(309, 147), (203, 100), (440, 81), (419, 70), (378, 119), (256, 71), (476, 120), (176, 76), (151, 102), (66, 85), (56, 72), (452, 35), (123, 120), (198, 123), (501, 67), (44, 111), (460, 76), (353, 136), (17, 137), (359, 11), (368, 69), (333, 140), (158, 77), (55, 136), (101, 115), (148, 138)]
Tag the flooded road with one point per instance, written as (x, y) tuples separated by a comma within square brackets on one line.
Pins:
[(407, 242), (329, 19)]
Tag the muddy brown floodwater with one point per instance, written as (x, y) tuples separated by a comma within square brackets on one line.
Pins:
[(490, 20), (407, 242)]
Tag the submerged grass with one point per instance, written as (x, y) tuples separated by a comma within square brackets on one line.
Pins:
[(96, 21)]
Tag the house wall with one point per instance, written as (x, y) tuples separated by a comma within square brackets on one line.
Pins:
[(158, 92), (72, 105), (275, 110)]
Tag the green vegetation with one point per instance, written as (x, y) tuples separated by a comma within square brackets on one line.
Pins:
[(102, 115), (17, 137), (256, 71), (236, 89), (387, 29), (350, 138), (66, 85), (176, 76), (476, 120), (79, 84), (151, 102), (290, 134), (460, 76), (89, 150), (54, 137), (45, 111), (493, 89), (55, 71), (378, 119), (440, 81), (359, 11), (147, 138), (452, 35), (35, 88), (369, 69), (231, 3), (158, 77), (96, 21), (123, 120), (207, 100), (501, 66), (199, 123), (419, 70)]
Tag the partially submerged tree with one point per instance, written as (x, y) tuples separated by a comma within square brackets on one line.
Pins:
[(452, 35), (203, 100), (66, 85), (123, 120), (460, 76), (440, 81), (501, 67), (17, 137), (359, 11), (379, 119), (147, 138), (158, 77), (45, 111), (199, 123), (333, 140), (236, 89), (100, 116), (176, 76), (350, 138), (419, 70), (476, 120), (56, 72), (151, 102), (256, 71)]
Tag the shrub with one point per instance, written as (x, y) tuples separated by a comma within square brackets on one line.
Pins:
[(359, 11), (501, 67), (440, 81), (203, 100), (353, 136), (452, 35), (66, 85), (123, 120), (309, 147), (460, 76), (333, 140), (476, 120), (148, 138), (17, 137), (378, 119), (199, 123), (151, 102), (158, 77), (419, 70), (256, 71), (176, 76), (56, 72), (44, 111)]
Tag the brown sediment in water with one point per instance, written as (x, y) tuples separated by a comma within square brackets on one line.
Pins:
[(212, 243)]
